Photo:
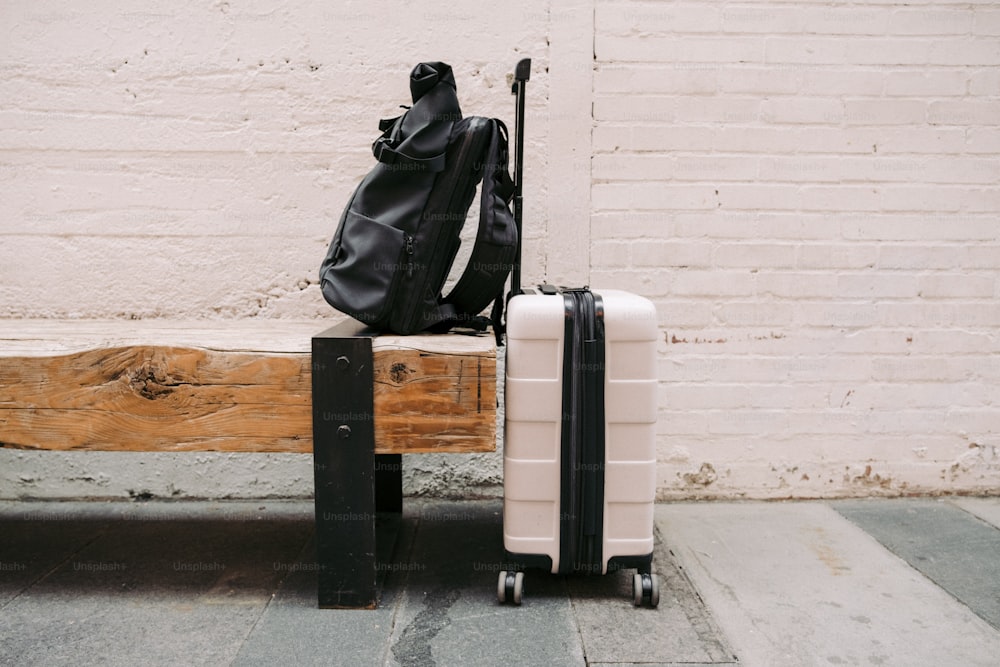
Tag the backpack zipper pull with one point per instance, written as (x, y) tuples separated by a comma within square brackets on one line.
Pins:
[(409, 253)]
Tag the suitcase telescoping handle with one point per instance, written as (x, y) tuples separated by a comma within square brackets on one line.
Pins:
[(521, 75)]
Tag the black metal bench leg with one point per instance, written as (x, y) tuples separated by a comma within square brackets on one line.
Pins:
[(344, 466), (389, 483)]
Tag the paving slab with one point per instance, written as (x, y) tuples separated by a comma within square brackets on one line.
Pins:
[(449, 614), (798, 584), (679, 631), (35, 543), (987, 509), (293, 631), (165, 588), (953, 548)]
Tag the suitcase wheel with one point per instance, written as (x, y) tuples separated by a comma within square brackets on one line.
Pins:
[(510, 587), (646, 590)]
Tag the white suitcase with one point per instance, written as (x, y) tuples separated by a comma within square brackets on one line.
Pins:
[(579, 437), (579, 443)]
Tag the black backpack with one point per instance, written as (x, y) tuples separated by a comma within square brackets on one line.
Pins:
[(399, 235)]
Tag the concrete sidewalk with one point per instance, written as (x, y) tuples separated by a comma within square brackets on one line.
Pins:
[(879, 582)]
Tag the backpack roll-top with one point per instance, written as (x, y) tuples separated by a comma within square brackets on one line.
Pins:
[(400, 232)]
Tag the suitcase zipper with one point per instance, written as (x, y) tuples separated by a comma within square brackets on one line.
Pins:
[(583, 446)]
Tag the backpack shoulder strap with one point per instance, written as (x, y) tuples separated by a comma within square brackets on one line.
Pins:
[(493, 254)]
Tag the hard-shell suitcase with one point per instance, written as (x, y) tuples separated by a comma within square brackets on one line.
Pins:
[(579, 437)]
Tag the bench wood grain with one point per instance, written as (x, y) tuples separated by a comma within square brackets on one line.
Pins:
[(234, 386)]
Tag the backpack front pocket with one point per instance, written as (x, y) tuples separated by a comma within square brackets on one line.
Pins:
[(369, 260)]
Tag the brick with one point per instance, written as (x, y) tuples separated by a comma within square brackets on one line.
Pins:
[(985, 82), (938, 314), (934, 198), (635, 108), (799, 110), (877, 284), (920, 140), (811, 50), (681, 254), (796, 285), (977, 424), (754, 314), (655, 79), (838, 256), (717, 225), (962, 285), (887, 51), (796, 226), (964, 52), (836, 81), (759, 80), (964, 112), (928, 169), (844, 20), (608, 254), (925, 368), (727, 50), (656, 49), (715, 168), (952, 198), (683, 312), (928, 21), (985, 140), (836, 313), (767, 19), (748, 422), (700, 395), (642, 18), (651, 196), (773, 139), (922, 256), (754, 255), (928, 83), (953, 341), (609, 137), (932, 227), (872, 341), (885, 112), (982, 256), (840, 198), (631, 224), (728, 110), (986, 22), (632, 167), (712, 283), (968, 170), (681, 423), (760, 196)]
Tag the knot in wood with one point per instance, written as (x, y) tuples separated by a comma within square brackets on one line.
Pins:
[(398, 372), (150, 380)]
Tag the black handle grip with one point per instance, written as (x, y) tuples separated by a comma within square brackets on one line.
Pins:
[(523, 70)]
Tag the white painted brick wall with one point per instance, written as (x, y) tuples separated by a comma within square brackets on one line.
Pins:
[(818, 187), (808, 190)]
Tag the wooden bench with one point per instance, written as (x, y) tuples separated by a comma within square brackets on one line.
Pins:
[(356, 400)]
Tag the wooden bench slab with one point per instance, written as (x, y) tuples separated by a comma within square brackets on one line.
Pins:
[(235, 386)]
